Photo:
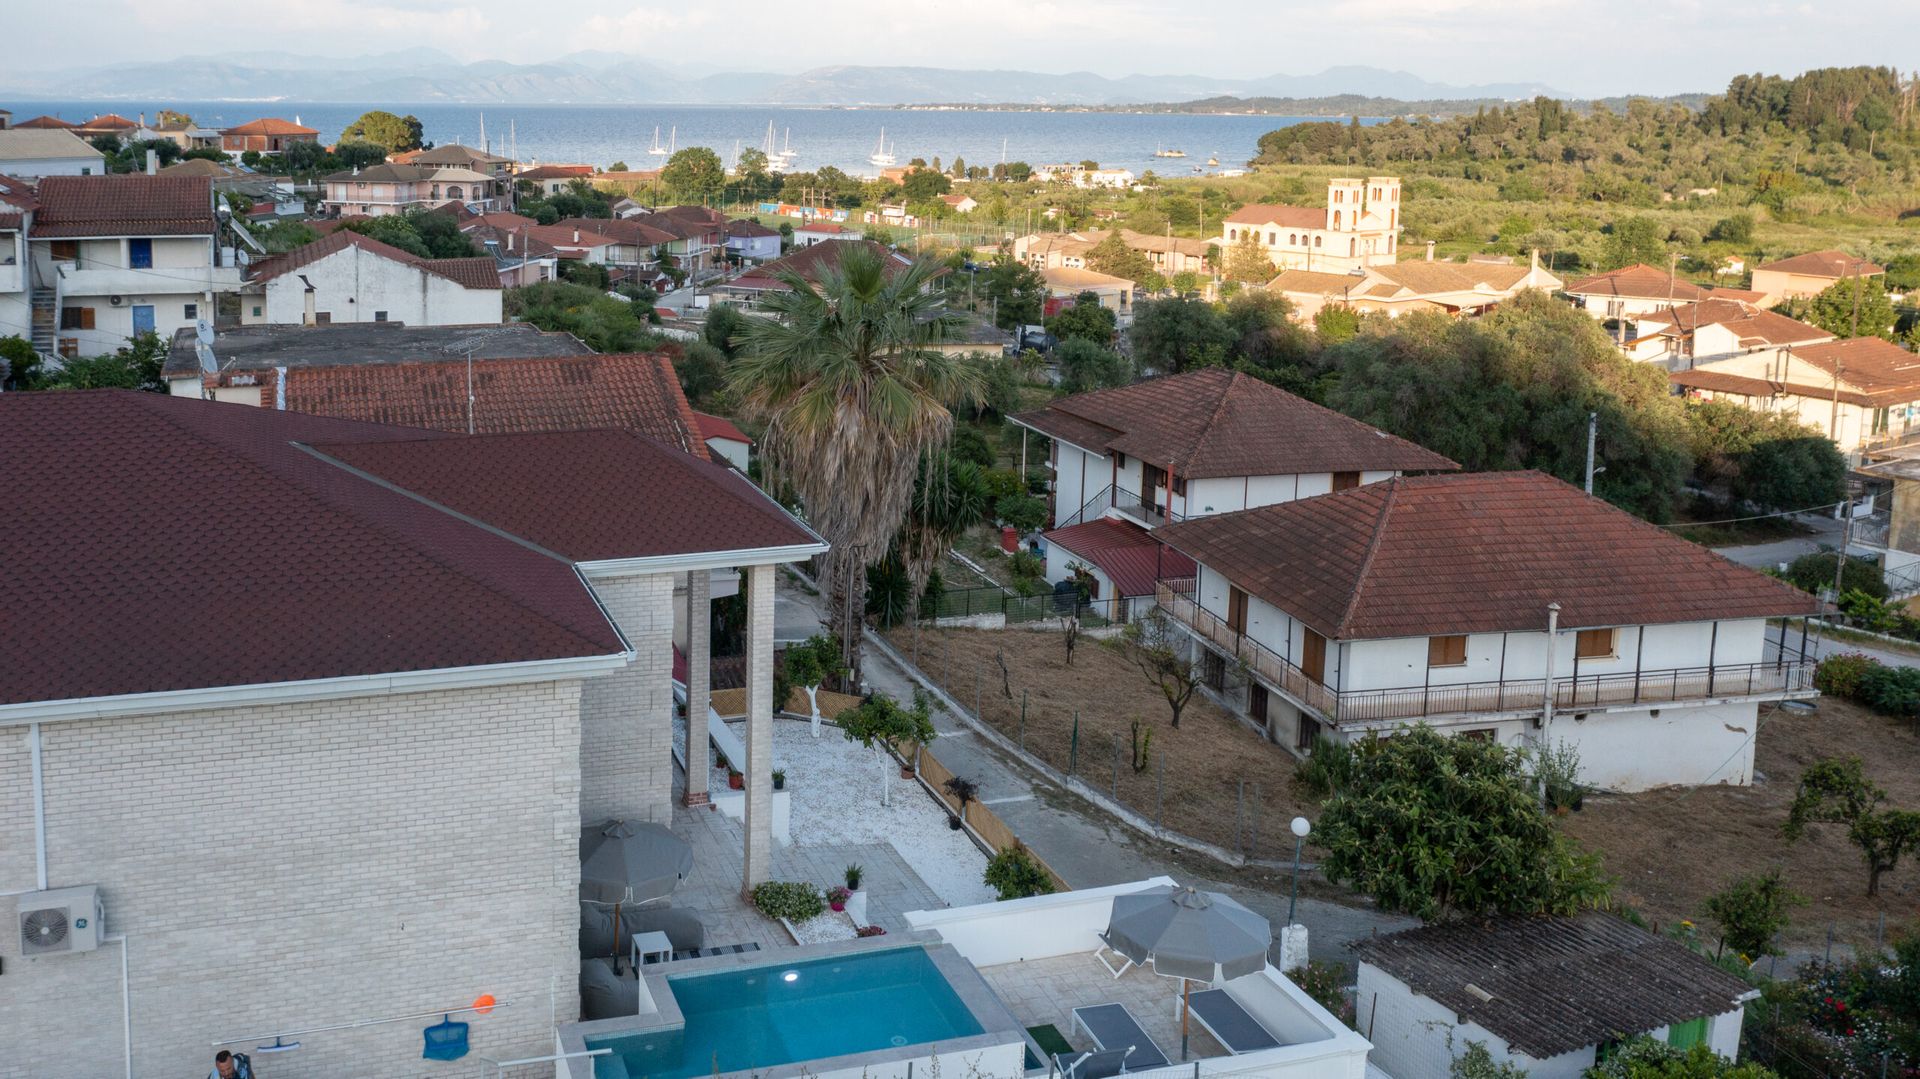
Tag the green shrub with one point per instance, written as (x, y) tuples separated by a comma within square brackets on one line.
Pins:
[(1326, 983), (1024, 512), (1025, 565), (1015, 875), (1813, 572), (1558, 769), (796, 901), (1751, 912), (1893, 691), (1841, 675), (1328, 766)]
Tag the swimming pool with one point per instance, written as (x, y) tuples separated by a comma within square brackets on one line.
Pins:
[(780, 1014)]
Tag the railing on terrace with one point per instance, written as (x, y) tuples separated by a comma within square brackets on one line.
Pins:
[(1509, 695), (1094, 507), (1132, 503)]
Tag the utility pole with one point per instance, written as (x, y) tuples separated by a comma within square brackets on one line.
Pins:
[(1846, 537), (1593, 428), (1546, 703)]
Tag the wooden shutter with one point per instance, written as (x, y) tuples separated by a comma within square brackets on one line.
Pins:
[(66, 250), (1236, 610), (1447, 651), (1344, 480), (1594, 644), (1313, 656)]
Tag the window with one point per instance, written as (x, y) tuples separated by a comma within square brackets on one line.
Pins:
[(1343, 481), (1233, 234), (1305, 732), (1593, 644), (190, 311), (1292, 239), (76, 318), (86, 170), (1450, 651), (379, 316), (1351, 242), (1479, 734), (256, 310), (1180, 486), (1688, 1034), (1336, 219), (66, 250), (140, 254), (1272, 238), (323, 318), (1316, 241), (69, 347)]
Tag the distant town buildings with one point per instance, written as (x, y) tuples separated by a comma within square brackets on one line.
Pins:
[(1358, 227)]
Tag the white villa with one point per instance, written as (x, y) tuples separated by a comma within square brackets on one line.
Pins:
[(1688, 335), (1457, 600), (1358, 227), (1128, 460), (349, 277)]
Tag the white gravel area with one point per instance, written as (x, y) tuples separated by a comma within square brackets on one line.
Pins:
[(835, 786), (829, 925)]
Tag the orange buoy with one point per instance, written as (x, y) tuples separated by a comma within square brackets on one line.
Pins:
[(483, 1004)]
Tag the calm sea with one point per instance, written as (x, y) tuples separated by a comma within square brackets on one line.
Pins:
[(842, 137)]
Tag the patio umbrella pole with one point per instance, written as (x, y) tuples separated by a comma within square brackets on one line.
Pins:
[(1187, 1010), (616, 939)]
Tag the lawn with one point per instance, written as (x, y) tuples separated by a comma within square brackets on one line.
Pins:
[(1670, 849), (1205, 761)]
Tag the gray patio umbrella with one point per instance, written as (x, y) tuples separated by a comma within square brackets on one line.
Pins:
[(630, 862), (1189, 934)]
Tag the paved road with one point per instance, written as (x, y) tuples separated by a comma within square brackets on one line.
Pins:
[(1080, 842), (1826, 535)]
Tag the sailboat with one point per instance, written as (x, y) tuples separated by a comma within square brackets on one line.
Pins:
[(1213, 158), (657, 148), (881, 155), (786, 155)]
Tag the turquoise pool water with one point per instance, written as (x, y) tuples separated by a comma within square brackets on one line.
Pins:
[(781, 1014)]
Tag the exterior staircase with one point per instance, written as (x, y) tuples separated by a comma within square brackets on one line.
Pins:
[(46, 320)]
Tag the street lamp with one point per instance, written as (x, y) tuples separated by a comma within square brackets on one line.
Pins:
[(1300, 828)]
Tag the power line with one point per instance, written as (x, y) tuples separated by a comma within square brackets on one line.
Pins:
[(1756, 517)]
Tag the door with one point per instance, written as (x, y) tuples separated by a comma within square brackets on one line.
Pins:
[(1236, 610), (1152, 478), (143, 318), (140, 254), (1313, 657), (1257, 703)]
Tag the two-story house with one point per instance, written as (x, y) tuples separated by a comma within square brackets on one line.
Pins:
[(391, 189), (1688, 335), (1632, 291), (114, 256), (1135, 458), (1453, 288), (1862, 391), (1359, 226), (349, 277), (28, 153), (1504, 605), (1810, 274)]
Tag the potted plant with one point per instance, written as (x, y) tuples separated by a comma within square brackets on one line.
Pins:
[(837, 897), (779, 779), (856, 895), (870, 931), (735, 781)]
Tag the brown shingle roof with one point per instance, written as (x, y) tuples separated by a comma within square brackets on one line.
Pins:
[(1295, 217), (814, 261), (1874, 365), (575, 492), (1476, 553), (1640, 282), (1830, 263), (476, 273), (1554, 985), (636, 392), (51, 122), (131, 205), (209, 550), (1215, 422), (637, 233), (1751, 325)]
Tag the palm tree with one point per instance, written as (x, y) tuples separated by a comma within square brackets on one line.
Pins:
[(853, 396)]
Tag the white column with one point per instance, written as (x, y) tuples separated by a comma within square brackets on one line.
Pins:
[(758, 583), (699, 681)]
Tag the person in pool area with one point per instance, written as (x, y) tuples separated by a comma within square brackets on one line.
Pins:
[(231, 1066)]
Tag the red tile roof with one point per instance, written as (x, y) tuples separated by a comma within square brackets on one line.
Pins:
[(1750, 325), (270, 125), (813, 262), (108, 122), (1830, 263), (1297, 217), (828, 227), (637, 392), (554, 172), (587, 495), (1876, 366), (637, 233), (474, 273), (47, 122), (567, 238), (498, 219), (167, 543), (1476, 553), (1640, 282), (1215, 422), (129, 205), (712, 426), (1128, 554)]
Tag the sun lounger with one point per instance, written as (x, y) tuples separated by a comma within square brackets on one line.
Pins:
[(1100, 953), (1111, 1026), (1101, 1065), (1222, 1016)]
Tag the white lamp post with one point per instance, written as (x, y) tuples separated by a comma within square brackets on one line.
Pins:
[(1300, 829)]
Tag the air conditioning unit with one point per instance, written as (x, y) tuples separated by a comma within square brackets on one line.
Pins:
[(116, 301), (61, 920)]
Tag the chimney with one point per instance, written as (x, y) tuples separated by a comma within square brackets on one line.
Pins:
[(576, 235), (153, 163), (143, 119), (309, 318), (1429, 250), (509, 243)]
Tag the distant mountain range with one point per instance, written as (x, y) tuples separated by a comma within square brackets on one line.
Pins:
[(423, 75)]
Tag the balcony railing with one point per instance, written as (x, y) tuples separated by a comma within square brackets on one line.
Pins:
[(1780, 678), (1131, 503)]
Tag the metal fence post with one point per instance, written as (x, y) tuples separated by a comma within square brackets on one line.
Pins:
[(1023, 717), (1239, 817), (977, 714), (1073, 748), (1116, 765)]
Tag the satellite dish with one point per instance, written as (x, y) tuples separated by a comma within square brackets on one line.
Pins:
[(204, 331), (208, 365)]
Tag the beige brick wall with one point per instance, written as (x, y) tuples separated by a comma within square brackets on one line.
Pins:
[(289, 866), (626, 718)]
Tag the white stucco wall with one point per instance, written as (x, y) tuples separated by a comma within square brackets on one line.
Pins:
[(353, 285), (275, 867), (1417, 1037)]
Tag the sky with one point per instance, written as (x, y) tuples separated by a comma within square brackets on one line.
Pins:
[(1579, 48)]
